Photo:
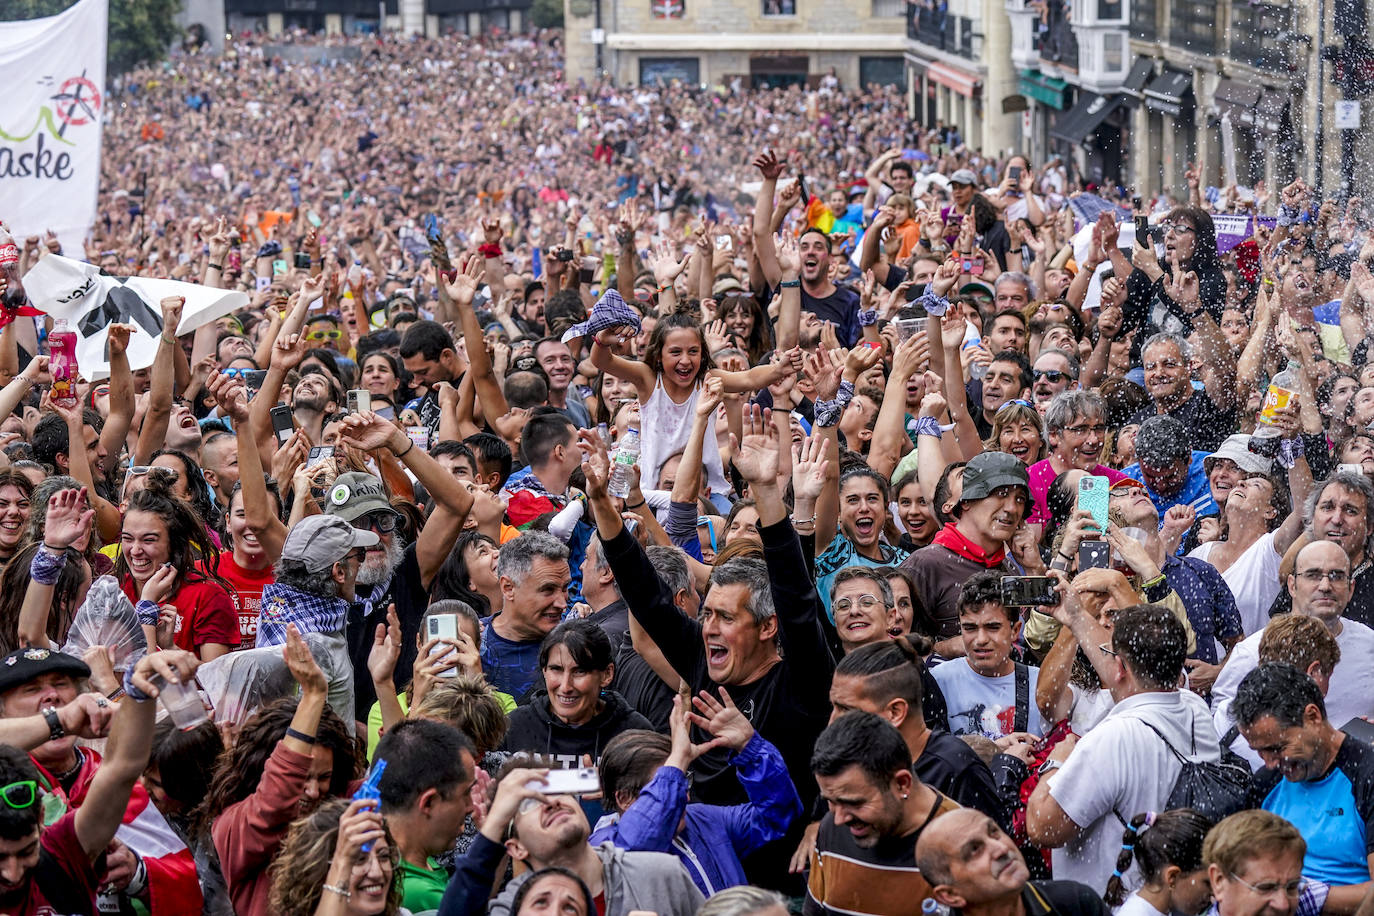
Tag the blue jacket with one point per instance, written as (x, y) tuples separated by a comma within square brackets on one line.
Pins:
[(715, 837)]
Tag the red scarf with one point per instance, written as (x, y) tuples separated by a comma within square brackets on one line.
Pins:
[(951, 538)]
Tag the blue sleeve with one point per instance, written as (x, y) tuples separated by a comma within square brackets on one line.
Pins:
[(1228, 622), (773, 800), (650, 824), (682, 529), (473, 875)]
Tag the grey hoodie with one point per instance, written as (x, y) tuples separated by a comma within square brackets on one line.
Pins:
[(652, 881)]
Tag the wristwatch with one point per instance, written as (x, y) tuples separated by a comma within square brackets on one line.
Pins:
[(55, 729), (1050, 766)]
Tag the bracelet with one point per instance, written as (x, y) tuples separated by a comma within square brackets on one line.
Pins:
[(407, 451), (115, 695), (933, 304), (300, 736), (490, 250), (341, 891), (1065, 555), (636, 505), (868, 317), (46, 566), (148, 612), (215, 266), (169, 340), (1157, 580), (804, 521), (664, 288), (789, 284), (928, 426)]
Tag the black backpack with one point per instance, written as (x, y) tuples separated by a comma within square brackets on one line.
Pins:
[(1212, 789)]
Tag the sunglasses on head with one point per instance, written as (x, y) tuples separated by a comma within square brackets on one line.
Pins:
[(20, 795)]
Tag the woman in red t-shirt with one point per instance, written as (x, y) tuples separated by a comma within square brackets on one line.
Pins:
[(256, 535), (161, 531)]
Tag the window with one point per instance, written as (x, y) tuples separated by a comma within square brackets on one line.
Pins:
[(1143, 20), (666, 9), (888, 9), (660, 71), (1254, 33), (1114, 52), (1109, 10), (884, 71), (779, 7), (1193, 25)]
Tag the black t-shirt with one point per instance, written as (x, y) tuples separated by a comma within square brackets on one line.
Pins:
[(369, 609), (947, 764), (1065, 898), (641, 687), (1207, 425)]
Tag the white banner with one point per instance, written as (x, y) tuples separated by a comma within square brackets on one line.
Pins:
[(53, 71), (91, 302)]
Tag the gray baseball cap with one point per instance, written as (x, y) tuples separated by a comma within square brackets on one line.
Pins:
[(987, 471), (963, 176), (320, 541), (355, 494)]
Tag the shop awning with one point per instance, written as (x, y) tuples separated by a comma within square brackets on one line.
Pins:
[(1167, 92), (1045, 89), (1141, 72), (1236, 99), (1082, 121), (1271, 110), (957, 81)]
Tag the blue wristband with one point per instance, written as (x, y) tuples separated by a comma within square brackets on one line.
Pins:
[(929, 426), (147, 612), (933, 304), (132, 692), (46, 566), (868, 317)]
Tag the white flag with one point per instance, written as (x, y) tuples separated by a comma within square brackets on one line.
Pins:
[(53, 71), (91, 302)]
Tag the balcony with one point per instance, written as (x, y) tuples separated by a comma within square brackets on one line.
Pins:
[(1058, 43), (1025, 34), (1103, 58), (930, 23)]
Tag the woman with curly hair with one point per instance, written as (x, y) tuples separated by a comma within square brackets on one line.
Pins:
[(745, 318), (1018, 430), (323, 870), (166, 557), (289, 757)]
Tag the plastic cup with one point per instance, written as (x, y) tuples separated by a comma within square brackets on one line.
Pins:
[(907, 328), (183, 704)]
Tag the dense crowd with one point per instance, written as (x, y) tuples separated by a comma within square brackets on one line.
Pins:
[(682, 500)]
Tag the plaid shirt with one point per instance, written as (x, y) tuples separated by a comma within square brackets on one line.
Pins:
[(282, 605)]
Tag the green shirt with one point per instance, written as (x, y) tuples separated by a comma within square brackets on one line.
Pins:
[(422, 888)]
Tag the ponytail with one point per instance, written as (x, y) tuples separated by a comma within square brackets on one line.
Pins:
[(1156, 842)]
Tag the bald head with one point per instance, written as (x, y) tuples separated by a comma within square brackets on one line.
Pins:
[(970, 859), (1320, 582)]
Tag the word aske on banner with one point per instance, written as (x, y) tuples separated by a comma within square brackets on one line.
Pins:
[(53, 71), (92, 301)]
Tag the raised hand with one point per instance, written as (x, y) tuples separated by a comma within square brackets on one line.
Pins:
[(809, 468), (68, 521), (302, 664), (770, 165), (370, 432), (1183, 287), (666, 264), (823, 373), (721, 719), (463, 287), (596, 462), (712, 392), (360, 826), (386, 648), (231, 396), (756, 454), (171, 314), (946, 275), (788, 253), (118, 337)]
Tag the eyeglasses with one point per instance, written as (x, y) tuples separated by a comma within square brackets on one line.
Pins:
[(380, 522), (1163, 364), (866, 602), (1176, 227), (1108, 649), (1267, 889), (140, 470), (236, 372), (1053, 376), (20, 795), (1098, 428), (1337, 576), (331, 334)]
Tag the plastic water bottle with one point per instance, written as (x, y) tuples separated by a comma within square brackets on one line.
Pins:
[(371, 789), (972, 339), (622, 470), (355, 274), (1279, 396), (932, 907), (62, 362)]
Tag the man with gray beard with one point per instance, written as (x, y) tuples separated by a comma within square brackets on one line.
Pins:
[(393, 572)]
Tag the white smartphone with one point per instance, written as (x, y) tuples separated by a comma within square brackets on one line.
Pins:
[(359, 400), (443, 626), (581, 781)]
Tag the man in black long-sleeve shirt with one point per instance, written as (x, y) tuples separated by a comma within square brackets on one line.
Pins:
[(752, 613)]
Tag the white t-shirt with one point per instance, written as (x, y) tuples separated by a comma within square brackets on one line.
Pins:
[(1089, 708), (1122, 766), (981, 705), (1253, 578), (1135, 905), (1350, 694)]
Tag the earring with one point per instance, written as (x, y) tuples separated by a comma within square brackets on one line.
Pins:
[(904, 796)]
